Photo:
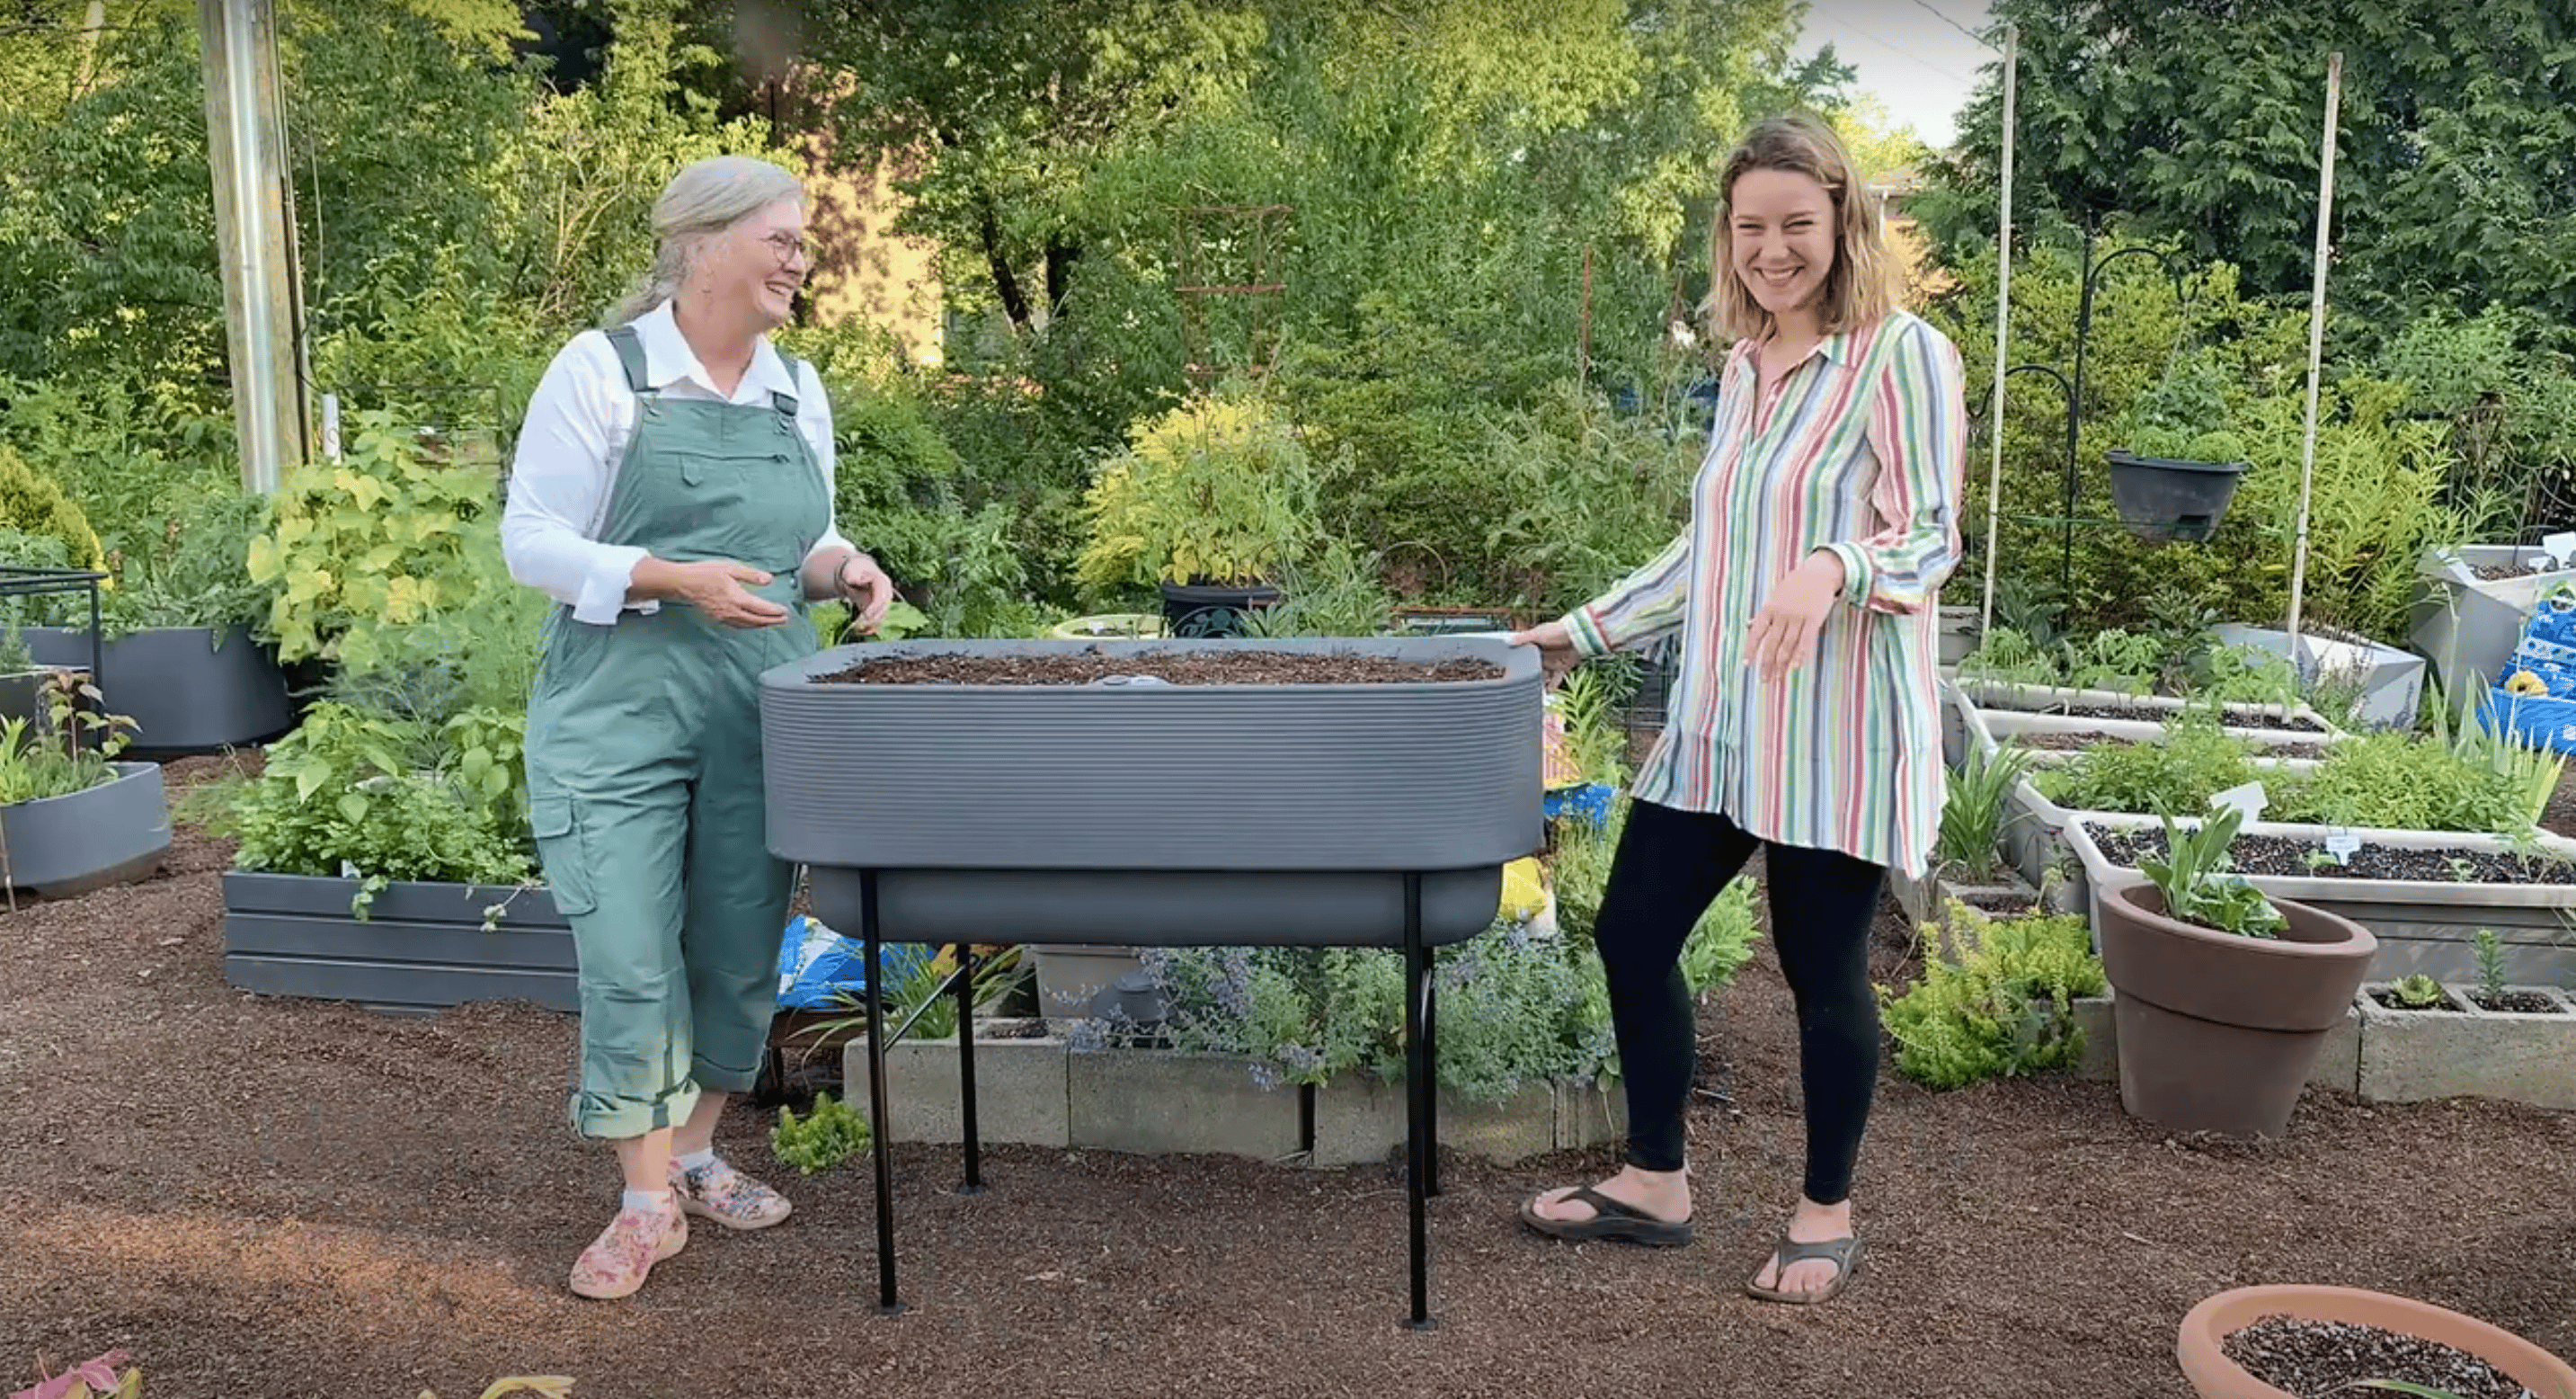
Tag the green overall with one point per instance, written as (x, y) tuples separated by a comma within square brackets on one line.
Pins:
[(644, 764)]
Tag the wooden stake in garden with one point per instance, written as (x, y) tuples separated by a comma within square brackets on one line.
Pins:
[(2316, 338), (2003, 317)]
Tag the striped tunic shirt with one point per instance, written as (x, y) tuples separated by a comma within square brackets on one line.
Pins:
[(1861, 451)]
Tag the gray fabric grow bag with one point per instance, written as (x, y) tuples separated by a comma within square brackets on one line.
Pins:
[(184, 693), (62, 846), (1158, 814)]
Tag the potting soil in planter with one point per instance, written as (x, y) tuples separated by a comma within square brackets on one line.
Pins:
[(2283, 856), (2230, 714), (1182, 668), (2515, 1003), (2312, 1359)]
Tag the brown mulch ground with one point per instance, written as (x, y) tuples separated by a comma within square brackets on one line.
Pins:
[(1240, 667), (2559, 818), (275, 1198)]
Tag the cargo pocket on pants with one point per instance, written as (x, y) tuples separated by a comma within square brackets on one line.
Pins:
[(559, 853)]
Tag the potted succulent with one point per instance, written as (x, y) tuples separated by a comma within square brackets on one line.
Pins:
[(73, 818), (2221, 996), (2286, 1340), (2180, 462), (1209, 501)]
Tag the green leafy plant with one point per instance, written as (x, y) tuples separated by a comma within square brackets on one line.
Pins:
[(1973, 817), (1216, 490), (2490, 963), (360, 551), (2417, 992), (2196, 760), (832, 1133), (2185, 416), (2004, 1007), (72, 750), (2198, 886), (35, 505)]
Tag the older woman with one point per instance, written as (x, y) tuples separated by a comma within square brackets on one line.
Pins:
[(673, 493)]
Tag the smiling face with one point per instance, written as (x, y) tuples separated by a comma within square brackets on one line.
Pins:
[(1781, 246), (759, 264)]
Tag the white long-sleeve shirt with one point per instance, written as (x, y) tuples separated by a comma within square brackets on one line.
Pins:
[(575, 436)]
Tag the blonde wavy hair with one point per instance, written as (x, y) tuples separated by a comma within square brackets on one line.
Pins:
[(700, 204), (1867, 280)]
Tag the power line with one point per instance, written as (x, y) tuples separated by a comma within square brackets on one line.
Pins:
[(1926, 7)]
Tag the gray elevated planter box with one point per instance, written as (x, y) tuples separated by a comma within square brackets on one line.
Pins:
[(2464, 1050), (1156, 815), (184, 693), (2424, 926), (2468, 626), (22, 695), (422, 947), (60, 847)]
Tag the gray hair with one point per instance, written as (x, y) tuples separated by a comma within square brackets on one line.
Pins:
[(701, 202)]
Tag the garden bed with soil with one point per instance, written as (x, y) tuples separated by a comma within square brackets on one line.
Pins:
[(1220, 667), (389, 1206), (2294, 857)]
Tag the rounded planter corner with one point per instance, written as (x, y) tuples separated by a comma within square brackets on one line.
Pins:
[(113, 833), (2218, 1033), (2205, 1329), (2166, 500), (1174, 815), (184, 692)]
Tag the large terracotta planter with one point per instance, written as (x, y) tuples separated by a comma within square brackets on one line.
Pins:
[(2217, 1032), (2214, 1376)]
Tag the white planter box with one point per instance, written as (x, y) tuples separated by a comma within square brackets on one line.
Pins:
[(2142, 716), (2469, 626), (2424, 926), (2467, 1051), (2392, 681)]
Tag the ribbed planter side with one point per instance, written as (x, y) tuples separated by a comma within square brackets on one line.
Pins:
[(184, 693), (1135, 814), (61, 847)]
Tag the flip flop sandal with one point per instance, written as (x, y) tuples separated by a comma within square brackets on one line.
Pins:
[(1843, 1253), (1611, 1219)]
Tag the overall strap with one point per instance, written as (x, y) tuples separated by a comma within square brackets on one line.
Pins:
[(630, 352), (785, 403)]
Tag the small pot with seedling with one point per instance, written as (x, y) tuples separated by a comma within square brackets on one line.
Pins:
[(2222, 996), (2177, 469)]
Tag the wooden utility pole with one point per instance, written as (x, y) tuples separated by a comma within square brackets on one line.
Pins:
[(246, 150)]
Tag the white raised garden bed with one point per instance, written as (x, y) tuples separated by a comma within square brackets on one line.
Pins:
[(2468, 624), (2424, 894), (2057, 708)]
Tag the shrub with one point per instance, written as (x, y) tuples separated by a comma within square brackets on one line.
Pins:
[(2004, 1009), (35, 505)]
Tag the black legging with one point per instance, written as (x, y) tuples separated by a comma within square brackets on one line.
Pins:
[(1670, 866)]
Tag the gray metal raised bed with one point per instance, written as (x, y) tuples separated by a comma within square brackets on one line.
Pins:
[(184, 693), (1153, 814), (2468, 626), (421, 948), (60, 847)]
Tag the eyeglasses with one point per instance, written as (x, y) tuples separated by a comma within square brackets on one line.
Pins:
[(789, 246)]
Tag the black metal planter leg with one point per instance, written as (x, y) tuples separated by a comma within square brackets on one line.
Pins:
[(1417, 1092), (966, 1067), (875, 951), (1431, 1071)]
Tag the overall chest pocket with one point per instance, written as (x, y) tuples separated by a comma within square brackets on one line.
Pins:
[(739, 467)]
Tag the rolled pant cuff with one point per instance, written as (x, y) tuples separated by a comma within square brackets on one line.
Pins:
[(715, 1078), (610, 1117)]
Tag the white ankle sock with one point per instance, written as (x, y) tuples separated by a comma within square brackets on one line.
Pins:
[(646, 1200), (696, 1159)]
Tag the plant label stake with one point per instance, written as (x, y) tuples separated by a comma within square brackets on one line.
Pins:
[(2248, 801), (2343, 845)]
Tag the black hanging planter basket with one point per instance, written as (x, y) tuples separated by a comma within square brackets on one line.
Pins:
[(2169, 500), (1213, 609)]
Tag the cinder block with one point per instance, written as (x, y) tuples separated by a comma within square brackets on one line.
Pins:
[(1360, 1120), (1590, 1114), (2412, 1056), (1022, 1090), (1159, 1101)]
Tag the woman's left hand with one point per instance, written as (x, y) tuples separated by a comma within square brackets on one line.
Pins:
[(1785, 630), (869, 590)]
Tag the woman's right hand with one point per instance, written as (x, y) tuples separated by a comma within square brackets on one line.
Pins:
[(1555, 648), (714, 587)]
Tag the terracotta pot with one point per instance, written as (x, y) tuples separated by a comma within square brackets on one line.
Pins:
[(2217, 1032), (2214, 1376)]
